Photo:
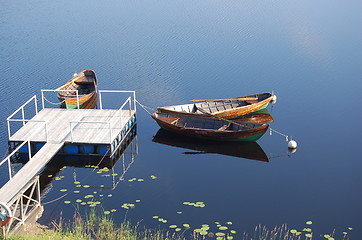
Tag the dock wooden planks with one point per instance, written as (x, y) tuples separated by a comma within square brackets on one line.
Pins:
[(58, 126), (28, 171)]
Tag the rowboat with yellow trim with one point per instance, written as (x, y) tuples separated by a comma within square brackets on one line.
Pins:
[(224, 108), (80, 90)]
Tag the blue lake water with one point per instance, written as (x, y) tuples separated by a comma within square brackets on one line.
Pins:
[(309, 53)]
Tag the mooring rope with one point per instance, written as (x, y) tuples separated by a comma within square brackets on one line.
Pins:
[(284, 135), (54, 200), (145, 107), (53, 102)]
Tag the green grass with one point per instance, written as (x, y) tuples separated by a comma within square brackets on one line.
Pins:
[(98, 225)]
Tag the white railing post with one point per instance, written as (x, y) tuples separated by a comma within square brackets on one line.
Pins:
[(77, 100), (29, 149), (9, 168), (134, 100), (9, 131), (22, 115), (130, 106), (42, 99), (35, 104), (100, 100)]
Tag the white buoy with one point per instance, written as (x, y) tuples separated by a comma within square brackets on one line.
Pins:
[(292, 144), (274, 99), (75, 74)]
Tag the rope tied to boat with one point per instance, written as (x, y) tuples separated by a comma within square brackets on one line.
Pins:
[(271, 130), (144, 107), (57, 103)]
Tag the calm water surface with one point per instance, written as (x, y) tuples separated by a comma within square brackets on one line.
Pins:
[(308, 52)]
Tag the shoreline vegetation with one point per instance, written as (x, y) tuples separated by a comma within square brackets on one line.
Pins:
[(97, 225)]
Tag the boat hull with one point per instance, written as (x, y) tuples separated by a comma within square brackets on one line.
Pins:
[(85, 85), (228, 109), (252, 134)]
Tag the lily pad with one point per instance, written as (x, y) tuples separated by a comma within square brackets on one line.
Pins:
[(309, 235), (178, 229), (66, 202), (229, 223), (78, 200), (86, 186), (309, 222), (293, 231), (155, 217), (220, 234), (107, 212), (223, 228), (233, 231), (173, 226), (186, 225), (203, 232), (63, 190)]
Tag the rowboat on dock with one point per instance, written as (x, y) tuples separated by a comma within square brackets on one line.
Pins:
[(80, 90), (224, 108), (210, 128), (194, 146)]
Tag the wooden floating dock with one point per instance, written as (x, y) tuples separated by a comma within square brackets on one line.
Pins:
[(53, 131)]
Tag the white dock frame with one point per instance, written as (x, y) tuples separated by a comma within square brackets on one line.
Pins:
[(56, 127)]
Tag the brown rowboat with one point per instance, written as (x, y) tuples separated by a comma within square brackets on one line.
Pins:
[(224, 108)]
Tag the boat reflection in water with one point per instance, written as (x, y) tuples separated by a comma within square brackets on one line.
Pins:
[(261, 116), (249, 150)]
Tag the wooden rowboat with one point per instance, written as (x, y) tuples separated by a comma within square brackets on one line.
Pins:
[(224, 108), (210, 128), (246, 150), (83, 85)]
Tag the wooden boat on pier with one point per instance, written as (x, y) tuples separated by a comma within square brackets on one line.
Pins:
[(224, 108), (80, 90), (209, 127)]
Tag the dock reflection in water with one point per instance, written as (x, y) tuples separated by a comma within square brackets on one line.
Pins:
[(125, 156), (248, 150)]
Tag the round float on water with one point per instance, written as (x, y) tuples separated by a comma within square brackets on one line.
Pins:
[(274, 99), (71, 149), (75, 74), (292, 144)]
